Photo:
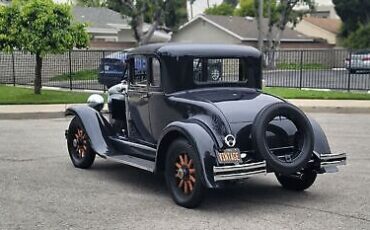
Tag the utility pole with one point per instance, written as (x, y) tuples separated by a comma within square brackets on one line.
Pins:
[(208, 3), (260, 29)]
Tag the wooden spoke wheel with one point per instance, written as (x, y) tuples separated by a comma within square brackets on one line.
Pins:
[(78, 142), (183, 174)]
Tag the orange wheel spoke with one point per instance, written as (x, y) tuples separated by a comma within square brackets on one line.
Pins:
[(190, 163), (181, 160), (185, 187), (181, 183), (186, 159), (190, 185), (192, 178), (178, 165), (192, 171)]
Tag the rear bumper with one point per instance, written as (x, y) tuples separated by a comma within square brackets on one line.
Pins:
[(326, 163)]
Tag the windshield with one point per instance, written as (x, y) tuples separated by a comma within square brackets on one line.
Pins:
[(219, 70)]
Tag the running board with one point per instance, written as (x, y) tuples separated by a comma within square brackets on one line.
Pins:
[(133, 161)]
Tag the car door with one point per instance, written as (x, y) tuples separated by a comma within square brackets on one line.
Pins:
[(138, 99)]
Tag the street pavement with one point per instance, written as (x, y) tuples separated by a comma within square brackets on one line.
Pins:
[(40, 189)]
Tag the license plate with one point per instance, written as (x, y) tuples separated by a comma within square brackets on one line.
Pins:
[(229, 156)]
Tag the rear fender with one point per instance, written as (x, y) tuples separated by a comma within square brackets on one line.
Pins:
[(321, 142), (199, 138), (97, 127)]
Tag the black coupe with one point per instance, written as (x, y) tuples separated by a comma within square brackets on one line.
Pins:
[(197, 114)]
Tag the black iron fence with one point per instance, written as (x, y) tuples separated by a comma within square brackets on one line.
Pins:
[(320, 69), (78, 69)]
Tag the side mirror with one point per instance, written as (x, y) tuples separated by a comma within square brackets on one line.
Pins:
[(96, 102)]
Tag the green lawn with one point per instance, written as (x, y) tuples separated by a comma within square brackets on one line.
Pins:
[(80, 75), (10, 95), (315, 94)]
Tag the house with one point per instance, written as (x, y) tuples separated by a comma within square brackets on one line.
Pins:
[(324, 28), (325, 11), (109, 30), (237, 30)]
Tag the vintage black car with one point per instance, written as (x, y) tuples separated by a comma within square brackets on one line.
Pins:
[(201, 126)]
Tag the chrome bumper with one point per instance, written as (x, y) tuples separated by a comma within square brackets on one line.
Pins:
[(328, 164), (235, 172), (330, 161)]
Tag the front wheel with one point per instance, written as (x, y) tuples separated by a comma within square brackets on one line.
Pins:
[(183, 174), (79, 146), (298, 181)]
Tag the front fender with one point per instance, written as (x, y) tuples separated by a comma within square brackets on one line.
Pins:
[(96, 126), (200, 139)]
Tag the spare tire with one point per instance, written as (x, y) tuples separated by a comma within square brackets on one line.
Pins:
[(303, 126)]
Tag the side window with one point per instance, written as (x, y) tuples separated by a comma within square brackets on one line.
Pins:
[(156, 73), (140, 73)]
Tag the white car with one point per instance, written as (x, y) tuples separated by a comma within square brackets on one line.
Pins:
[(359, 60)]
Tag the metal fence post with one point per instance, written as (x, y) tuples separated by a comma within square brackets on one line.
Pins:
[(70, 69), (349, 71), (104, 89), (13, 68), (301, 70)]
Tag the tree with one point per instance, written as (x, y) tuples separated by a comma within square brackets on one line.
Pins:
[(40, 27), (168, 13), (354, 14), (234, 3), (222, 9), (359, 39)]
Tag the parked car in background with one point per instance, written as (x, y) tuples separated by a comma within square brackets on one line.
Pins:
[(358, 61), (112, 68)]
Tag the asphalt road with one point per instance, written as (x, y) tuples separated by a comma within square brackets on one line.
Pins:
[(322, 79), (40, 189)]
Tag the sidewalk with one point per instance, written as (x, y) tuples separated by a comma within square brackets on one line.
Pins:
[(57, 111)]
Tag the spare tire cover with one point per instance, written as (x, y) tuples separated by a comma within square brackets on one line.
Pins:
[(303, 125)]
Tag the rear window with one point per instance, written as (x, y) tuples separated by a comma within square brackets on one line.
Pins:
[(224, 70)]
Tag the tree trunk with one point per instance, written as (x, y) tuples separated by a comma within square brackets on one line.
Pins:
[(38, 68)]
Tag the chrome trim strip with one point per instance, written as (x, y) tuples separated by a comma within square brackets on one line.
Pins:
[(236, 176), (332, 156), (232, 168), (241, 171)]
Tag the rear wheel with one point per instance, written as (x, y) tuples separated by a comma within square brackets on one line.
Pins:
[(183, 174), (79, 146), (297, 182)]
